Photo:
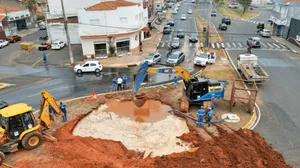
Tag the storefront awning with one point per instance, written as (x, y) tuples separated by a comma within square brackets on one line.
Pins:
[(277, 21)]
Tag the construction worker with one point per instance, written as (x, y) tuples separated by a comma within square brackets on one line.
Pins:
[(45, 58), (175, 82), (63, 108), (124, 81), (119, 82), (114, 83), (200, 115), (209, 116), (212, 106)]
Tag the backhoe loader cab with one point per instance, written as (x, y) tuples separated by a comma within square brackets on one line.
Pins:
[(198, 90), (18, 126)]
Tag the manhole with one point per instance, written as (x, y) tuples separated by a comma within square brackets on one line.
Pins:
[(232, 118)]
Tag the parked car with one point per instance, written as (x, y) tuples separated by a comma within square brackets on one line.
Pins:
[(213, 13), (44, 38), (3, 43), (44, 46), (234, 5), (180, 33), (167, 29), (175, 43), (88, 66), (3, 104), (153, 59), (183, 17), (255, 42), (193, 38), (57, 45), (222, 26), (174, 12), (265, 33), (171, 22), (176, 9), (193, 1), (43, 27), (13, 39), (226, 20), (176, 58), (190, 11), (205, 58)]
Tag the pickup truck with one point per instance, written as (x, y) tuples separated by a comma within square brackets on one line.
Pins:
[(44, 46), (3, 43), (205, 58), (248, 66)]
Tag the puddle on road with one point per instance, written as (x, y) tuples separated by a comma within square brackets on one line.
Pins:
[(155, 135), (151, 111)]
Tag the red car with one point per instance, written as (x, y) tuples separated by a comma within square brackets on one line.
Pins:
[(13, 39), (44, 46)]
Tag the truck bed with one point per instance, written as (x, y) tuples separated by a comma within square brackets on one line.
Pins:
[(253, 72)]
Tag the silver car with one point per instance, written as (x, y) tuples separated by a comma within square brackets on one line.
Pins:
[(176, 58), (175, 43), (153, 59), (265, 33)]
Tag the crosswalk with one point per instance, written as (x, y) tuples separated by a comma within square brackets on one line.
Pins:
[(250, 21), (243, 45), (166, 44)]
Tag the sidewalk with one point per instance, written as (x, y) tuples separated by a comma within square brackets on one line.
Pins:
[(283, 41)]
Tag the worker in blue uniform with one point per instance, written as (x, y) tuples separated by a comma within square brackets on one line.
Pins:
[(63, 108), (200, 115), (212, 106), (209, 116), (114, 84)]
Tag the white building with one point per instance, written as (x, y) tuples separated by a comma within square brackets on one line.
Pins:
[(124, 22), (260, 2), (55, 18)]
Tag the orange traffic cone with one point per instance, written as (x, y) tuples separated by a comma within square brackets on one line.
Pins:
[(94, 94)]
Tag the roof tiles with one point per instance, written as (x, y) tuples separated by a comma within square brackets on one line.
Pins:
[(110, 5)]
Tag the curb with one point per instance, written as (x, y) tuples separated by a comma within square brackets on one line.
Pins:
[(255, 118)]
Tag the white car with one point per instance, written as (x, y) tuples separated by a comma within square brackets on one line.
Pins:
[(153, 59), (265, 33), (88, 66), (3, 43), (57, 45), (190, 11), (183, 17), (234, 5), (205, 58)]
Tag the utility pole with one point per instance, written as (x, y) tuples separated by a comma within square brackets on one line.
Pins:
[(9, 30), (208, 23), (45, 12), (67, 33)]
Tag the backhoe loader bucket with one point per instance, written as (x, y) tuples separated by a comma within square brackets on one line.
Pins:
[(140, 99)]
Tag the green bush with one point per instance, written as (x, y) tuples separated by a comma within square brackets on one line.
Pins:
[(41, 17)]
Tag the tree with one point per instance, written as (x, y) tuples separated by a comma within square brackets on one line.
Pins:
[(245, 4), (31, 6), (219, 2)]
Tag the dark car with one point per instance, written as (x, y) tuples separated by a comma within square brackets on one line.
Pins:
[(175, 43), (260, 25), (226, 21), (180, 33), (167, 29), (13, 39), (222, 26), (214, 13), (3, 104), (171, 22), (193, 38), (176, 58)]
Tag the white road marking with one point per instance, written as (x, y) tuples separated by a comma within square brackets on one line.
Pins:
[(233, 45), (240, 44), (263, 45), (212, 45), (282, 46), (228, 45), (222, 44), (169, 43), (163, 44), (190, 44), (218, 45), (270, 45), (275, 45)]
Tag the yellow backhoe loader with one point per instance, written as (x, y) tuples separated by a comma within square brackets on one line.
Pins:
[(20, 128)]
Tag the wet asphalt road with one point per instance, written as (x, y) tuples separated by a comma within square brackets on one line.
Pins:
[(278, 98)]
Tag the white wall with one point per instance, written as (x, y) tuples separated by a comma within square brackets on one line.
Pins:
[(57, 32), (260, 2), (136, 16)]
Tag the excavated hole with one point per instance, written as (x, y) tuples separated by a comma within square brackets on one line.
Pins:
[(150, 128)]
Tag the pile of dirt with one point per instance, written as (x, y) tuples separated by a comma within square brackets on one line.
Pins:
[(242, 148)]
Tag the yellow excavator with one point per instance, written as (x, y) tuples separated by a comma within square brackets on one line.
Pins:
[(20, 128)]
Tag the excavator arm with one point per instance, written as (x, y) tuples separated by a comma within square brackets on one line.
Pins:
[(144, 69), (45, 114)]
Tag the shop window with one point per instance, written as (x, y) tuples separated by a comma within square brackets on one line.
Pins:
[(100, 49), (123, 46)]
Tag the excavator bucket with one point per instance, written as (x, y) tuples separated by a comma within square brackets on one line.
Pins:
[(139, 78)]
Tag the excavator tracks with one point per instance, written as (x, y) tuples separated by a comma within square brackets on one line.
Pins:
[(184, 104)]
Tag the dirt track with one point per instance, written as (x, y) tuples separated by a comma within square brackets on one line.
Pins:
[(242, 148)]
